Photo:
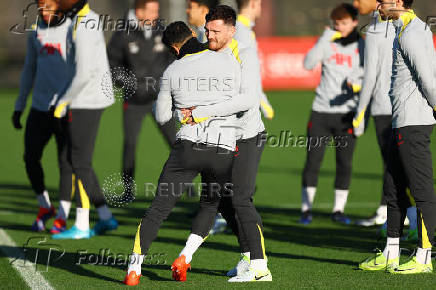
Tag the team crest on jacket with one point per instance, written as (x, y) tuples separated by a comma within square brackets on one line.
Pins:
[(158, 45), (133, 48)]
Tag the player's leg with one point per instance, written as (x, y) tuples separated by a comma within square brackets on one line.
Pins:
[(344, 141), (244, 173), (37, 134), (394, 188), (175, 175), (415, 154), (83, 128), (317, 133), (216, 181), (383, 129), (66, 190), (133, 115), (228, 213), (215, 197)]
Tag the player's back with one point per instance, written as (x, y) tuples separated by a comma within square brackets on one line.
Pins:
[(46, 62), (409, 103), (90, 84), (203, 79), (378, 44), (244, 33)]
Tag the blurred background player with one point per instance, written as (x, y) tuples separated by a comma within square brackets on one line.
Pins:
[(85, 100), (340, 51), (413, 98), (141, 52), (375, 93), (249, 11), (196, 12), (44, 70)]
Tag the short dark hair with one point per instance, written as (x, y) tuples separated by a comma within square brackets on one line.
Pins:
[(224, 13), (176, 33), (242, 3), (141, 3), (343, 11), (210, 4)]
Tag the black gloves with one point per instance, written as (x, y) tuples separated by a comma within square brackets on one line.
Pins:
[(16, 120)]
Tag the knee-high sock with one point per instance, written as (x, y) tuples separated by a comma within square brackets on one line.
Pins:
[(44, 200), (307, 197), (192, 244), (341, 196), (82, 219)]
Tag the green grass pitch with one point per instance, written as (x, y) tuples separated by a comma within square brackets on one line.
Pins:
[(321, 255)]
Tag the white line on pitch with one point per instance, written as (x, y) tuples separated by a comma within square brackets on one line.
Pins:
[(26, 268)]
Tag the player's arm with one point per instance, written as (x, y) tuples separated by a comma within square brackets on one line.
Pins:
[(420, 57), (88, 43), (355, 80), (371, 60), (319, 52), (265, 106), (164, 104), (248, 96), (27, 80)]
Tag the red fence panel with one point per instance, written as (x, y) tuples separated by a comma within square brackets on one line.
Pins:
[(281, 61)]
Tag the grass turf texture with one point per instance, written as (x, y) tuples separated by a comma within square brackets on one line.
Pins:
[(321, 255)]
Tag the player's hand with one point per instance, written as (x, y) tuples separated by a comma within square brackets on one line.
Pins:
[(187, 116), (60, 110), (267, 110), (16, 120), (360, 129), (187, 112), (330, 34)]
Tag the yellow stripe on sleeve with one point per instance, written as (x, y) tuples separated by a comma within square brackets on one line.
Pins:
[(234, 46)]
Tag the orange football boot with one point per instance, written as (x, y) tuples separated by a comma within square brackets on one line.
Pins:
[(132, 279), (179, 268)]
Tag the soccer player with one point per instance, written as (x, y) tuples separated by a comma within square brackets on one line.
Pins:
[(85, 100), (413, 98), (142, 52), (375, 91), (44, 69), (340, 51), (196, 12), (205, 148), (249, 12), (250, 134)]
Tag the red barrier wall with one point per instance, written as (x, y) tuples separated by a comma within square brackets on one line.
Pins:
[(282, 63)]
